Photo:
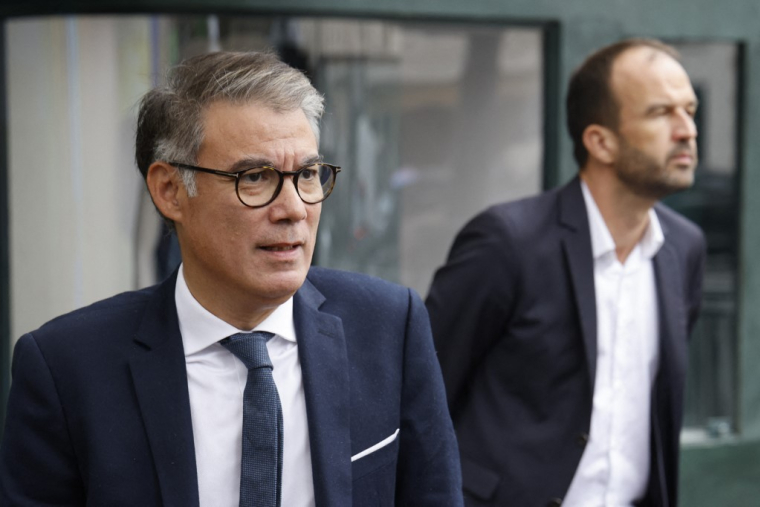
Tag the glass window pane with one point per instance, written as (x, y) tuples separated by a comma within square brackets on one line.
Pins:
[(433, 123), (712, 203), (430, 121)]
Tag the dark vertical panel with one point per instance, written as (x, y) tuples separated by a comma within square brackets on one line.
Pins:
[(741, 135), (5, 274), (552, 105)]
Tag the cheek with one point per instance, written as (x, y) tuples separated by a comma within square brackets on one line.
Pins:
[(230, 232), (313, 221), (654, 143)]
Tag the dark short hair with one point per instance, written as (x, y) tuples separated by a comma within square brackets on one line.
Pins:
[(170, 120), (590, 99)]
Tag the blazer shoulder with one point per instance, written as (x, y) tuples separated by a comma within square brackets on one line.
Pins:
[(521, 222), (357, 288), (680, 229), (108, 316)]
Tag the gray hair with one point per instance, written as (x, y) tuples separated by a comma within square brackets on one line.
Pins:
[(170, 121)]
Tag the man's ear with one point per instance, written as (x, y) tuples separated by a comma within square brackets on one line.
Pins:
[(165, 188), (601, 143)]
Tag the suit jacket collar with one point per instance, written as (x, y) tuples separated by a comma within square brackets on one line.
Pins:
[(324, 364), (160, 380), (669, 272), (576, 243), (673, 320)]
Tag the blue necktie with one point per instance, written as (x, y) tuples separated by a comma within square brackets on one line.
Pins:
[(261, 465)]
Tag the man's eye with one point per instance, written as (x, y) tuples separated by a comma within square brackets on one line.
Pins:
[(257, 176), (309, 173)]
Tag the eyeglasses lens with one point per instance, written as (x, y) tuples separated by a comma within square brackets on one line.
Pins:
[(257, 186), (315, 183)]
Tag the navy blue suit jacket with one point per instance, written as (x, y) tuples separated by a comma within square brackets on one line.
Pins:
[(514, 320), (99, 412)]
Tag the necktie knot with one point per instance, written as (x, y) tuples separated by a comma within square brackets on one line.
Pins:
[(250, 348)]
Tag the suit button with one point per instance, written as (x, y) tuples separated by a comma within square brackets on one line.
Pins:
[(582, 439), (554, 502)]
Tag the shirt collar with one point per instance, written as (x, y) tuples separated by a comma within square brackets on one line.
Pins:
[(601, 239), (200, 328)]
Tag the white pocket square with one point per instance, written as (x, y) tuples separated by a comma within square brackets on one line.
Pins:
[(375, 447)]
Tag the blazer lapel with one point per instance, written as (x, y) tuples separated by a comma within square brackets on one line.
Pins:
[(324, 363), (160, 380), (667, 394), (576, 243), (672, 317)]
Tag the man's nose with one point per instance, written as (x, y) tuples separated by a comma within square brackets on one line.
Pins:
[(288, 205), (685, 127)]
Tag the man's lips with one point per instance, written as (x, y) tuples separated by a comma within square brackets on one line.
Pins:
[(280, 247), (683, 157)]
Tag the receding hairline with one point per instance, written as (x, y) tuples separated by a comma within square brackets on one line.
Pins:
[(653, 53)]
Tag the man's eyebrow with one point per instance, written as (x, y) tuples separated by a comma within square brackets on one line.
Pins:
[(657, 105), (247, 163), (311, 160), (669, 105)]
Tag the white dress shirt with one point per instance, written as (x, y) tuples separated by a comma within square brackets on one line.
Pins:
[(216, 380), (614, 468)]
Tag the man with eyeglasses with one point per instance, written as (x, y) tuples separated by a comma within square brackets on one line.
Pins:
[(562, 320), (247, 378)]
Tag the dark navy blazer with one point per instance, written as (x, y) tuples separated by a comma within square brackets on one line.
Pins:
[(514, 319), (99, 411)]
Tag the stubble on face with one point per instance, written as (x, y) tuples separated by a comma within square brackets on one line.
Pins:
[(649, 178)]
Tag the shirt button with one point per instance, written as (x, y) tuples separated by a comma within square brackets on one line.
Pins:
[(582, 439), (554, 502)]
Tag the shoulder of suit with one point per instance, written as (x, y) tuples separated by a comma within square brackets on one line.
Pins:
[(523, 217), (677, 225), (348, 286), (113, 314)]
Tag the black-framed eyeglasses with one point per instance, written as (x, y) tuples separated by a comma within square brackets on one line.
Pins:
[(258, 186)]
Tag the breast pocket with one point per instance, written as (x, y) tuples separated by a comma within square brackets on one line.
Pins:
[(375, 456), (374, 474)]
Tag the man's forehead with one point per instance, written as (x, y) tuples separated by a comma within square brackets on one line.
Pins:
[(646, 72), (252, 133)]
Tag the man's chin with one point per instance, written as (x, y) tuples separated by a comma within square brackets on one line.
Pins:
[(670, 187), (282, 286), (683, 179)]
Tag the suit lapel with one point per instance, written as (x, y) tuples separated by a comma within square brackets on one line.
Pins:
[(160, 380), (673, 341), (324, 363), (667, 394), (576, 242)]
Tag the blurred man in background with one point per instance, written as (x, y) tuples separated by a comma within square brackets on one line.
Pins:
[(562, 320)]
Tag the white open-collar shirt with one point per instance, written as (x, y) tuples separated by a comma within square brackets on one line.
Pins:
[(216, 381), (614, 468)]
